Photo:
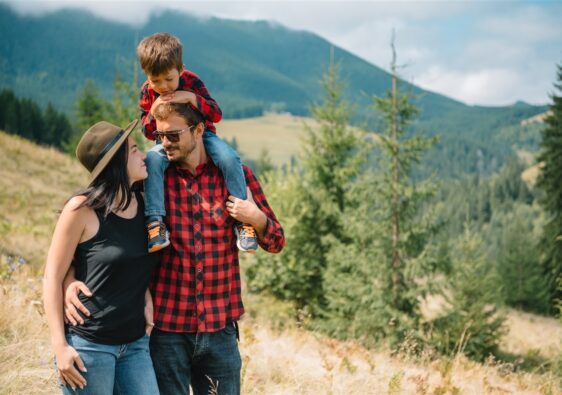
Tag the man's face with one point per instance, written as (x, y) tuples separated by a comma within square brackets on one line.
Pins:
[(165, 83), (177, 151)]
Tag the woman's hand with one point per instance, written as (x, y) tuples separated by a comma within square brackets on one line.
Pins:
[(67, 361)]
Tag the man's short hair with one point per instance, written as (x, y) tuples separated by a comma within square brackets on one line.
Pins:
[(192, 116), (159, 53)]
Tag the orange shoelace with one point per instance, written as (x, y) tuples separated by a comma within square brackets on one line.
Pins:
[(249, 230), (154, 232)]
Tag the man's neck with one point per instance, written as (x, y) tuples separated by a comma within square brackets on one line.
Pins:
[(196, 158)]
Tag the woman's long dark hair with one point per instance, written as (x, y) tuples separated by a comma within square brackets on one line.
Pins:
[(111, 190)]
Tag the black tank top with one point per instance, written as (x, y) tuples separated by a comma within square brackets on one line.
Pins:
[(116, 266)]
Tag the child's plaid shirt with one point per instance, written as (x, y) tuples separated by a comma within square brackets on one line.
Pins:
[(188, 82)]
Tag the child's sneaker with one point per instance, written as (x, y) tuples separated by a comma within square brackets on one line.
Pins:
[(158, 236), (246, 237)]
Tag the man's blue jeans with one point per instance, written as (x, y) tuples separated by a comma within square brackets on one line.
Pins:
[(202, 360), (124, 369), (222, 155)]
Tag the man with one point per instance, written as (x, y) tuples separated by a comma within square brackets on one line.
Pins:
[(196, 289)]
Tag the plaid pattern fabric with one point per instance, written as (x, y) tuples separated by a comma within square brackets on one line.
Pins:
[(188, 82), (197, 286)]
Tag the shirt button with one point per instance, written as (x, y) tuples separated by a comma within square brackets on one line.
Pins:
[(200, 296), (197, 226)]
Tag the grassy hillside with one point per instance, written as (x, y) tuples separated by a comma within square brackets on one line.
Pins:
[(279, 135), (34, 184), (278, 357)]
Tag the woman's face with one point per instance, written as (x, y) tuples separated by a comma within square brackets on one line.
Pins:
[(136, 169)]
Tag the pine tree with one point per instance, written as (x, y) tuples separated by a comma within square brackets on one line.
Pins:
[(90, 107), (470, 322), (312, 200), (523, 284), (377, 275), (550, 181)]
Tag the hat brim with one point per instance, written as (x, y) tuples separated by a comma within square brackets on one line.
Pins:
[(102, 164)]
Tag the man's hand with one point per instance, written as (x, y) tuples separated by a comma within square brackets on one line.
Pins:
[(72, 304), (247, 212), (180, 97)]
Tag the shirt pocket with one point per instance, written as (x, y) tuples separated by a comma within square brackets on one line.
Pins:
[(215, 214)]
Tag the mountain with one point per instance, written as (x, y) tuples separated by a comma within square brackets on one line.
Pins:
[(249, 67)]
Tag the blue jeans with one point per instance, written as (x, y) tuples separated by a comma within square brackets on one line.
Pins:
[(124, 369), (222, 155), (196, 359)]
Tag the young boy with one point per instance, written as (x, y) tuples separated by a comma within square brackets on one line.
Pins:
[(160, 56)]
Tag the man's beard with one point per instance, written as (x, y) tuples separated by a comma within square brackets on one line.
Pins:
[(184, 155)]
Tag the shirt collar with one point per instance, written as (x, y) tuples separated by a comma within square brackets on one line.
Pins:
[(198, 170)]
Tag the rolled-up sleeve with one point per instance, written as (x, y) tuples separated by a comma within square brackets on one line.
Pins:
[(273, 239)]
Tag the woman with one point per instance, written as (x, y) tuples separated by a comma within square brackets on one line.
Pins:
[(101, 232)]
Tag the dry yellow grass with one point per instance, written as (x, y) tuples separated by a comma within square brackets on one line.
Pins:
[(34, 183), (288, 361)]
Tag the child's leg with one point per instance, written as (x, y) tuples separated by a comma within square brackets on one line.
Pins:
[(156, 164), (228, 161), (154, 211)]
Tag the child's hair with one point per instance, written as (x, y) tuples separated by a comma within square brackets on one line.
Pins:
[(159, 53)]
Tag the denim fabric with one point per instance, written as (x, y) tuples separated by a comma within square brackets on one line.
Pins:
[(196, 359), (124, 369), (228, 161), (156, 164), (222, 155)]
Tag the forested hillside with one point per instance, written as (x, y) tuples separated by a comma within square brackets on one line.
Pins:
[(250, 67)]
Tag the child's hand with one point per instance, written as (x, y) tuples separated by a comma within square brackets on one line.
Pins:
[(180, 97), (155, 104)]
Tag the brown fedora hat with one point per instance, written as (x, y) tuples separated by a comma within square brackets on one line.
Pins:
[(100, 143)]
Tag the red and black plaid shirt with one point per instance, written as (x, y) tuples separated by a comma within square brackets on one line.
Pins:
[(197, 286), (188, 82)]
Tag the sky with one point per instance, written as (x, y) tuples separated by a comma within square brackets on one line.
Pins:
[(478, 52)]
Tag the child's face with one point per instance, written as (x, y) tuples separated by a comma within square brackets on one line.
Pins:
[(164, 83)]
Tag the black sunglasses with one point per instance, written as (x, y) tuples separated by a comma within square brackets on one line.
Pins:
[(173, 136)]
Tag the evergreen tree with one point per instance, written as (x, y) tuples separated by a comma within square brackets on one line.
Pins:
[(380, 270), (523, 284), (90, 107), (58, 130), (470, 322), (549, 181), (313, 201)]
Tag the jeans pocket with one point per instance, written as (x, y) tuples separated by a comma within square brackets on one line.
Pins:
[(230, 329)]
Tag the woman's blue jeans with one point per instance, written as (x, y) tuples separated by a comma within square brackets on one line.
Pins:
[(124, 369)]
